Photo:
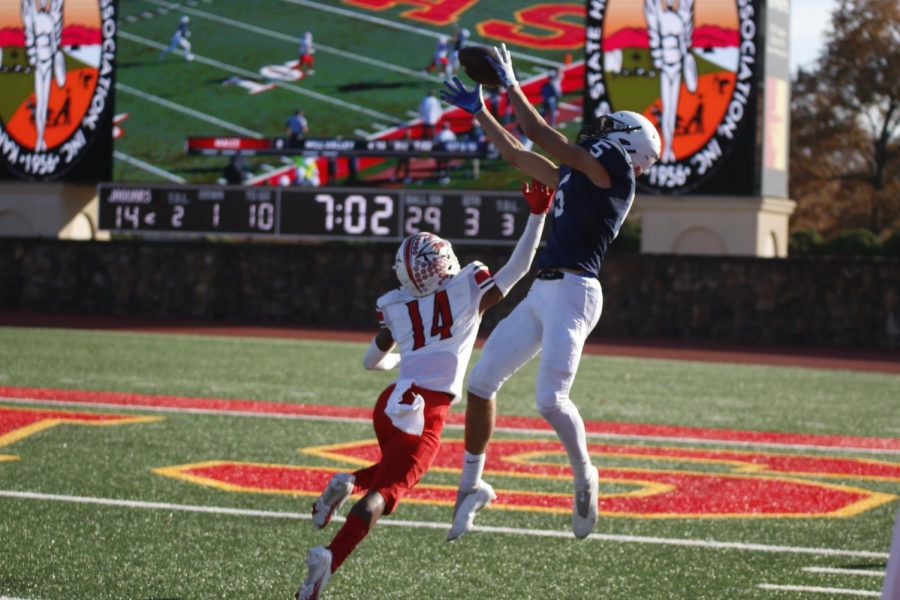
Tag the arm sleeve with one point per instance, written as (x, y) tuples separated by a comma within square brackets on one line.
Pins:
[(520, 260)]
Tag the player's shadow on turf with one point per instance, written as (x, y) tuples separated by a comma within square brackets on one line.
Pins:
[(363, 86)]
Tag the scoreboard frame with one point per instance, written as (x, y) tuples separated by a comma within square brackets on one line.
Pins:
[(320, 214)]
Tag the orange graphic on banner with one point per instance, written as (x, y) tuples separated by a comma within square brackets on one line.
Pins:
[(18, 423), (65, 106), (743, 492)]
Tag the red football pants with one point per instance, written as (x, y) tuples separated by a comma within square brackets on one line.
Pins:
[(405, 458)]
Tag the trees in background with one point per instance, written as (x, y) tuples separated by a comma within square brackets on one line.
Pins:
[(845, 125)]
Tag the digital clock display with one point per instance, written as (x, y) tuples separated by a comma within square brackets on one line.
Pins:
[(313, 213)]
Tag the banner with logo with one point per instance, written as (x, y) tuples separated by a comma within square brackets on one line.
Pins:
[(693, 67), (57, 75)]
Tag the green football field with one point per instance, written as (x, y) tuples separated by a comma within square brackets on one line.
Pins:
[(369, 77), (151, 466)]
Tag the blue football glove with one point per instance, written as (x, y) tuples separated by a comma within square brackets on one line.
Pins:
[(456, 94)]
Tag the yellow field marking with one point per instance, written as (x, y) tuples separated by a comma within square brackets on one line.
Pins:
[(742, 466), (330, 452), (179, 472), (44, 424)]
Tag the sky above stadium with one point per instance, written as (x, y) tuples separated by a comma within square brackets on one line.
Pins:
[(809, 21)]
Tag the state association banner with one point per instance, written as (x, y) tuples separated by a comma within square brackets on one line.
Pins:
[(57, 75), (693, 67)]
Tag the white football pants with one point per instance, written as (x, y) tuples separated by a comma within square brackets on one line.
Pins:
[(554, 320)]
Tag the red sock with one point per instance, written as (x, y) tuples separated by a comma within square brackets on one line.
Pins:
[(350, 535)]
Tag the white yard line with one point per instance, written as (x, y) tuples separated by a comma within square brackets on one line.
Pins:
[(197, 411), (344, 12), (188, 111), (453, 426), (713, 442), (250, 74), (817, 590), (625, 539), (836, 571), (136, 162), (296, 40)]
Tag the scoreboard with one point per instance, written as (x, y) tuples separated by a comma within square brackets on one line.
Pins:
[(330, 147), (313, 213)]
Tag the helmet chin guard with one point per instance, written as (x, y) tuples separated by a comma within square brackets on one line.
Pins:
[(424, 263), (633, 131)]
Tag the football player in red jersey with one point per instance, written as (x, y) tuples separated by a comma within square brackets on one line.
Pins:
[(433, 319), (595, 185), (440, 60), (306, 60)]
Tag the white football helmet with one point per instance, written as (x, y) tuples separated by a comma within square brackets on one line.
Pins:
[(425, 263), (635, 133)]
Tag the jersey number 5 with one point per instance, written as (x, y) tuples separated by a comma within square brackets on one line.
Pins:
[(441, 320)]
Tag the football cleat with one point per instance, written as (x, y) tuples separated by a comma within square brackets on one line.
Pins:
[(336, 493), (584, 509), (318, 572), (467, 506)]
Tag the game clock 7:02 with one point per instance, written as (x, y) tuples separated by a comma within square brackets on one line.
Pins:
[(313, 213)]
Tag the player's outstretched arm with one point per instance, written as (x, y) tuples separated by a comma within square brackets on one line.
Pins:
[(538, 131), (539, 198), (512, 151), (378, 356)]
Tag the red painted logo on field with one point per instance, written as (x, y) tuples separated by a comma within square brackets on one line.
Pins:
[(19, 423), (736, 484)]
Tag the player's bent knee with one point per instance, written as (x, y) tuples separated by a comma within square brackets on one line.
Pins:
[(483, 382), (550, 402), (370, 507)]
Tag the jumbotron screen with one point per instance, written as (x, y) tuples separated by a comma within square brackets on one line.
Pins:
[(327, 93)]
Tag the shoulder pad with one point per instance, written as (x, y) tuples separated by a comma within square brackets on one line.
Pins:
[(615, 159), (392, 297)]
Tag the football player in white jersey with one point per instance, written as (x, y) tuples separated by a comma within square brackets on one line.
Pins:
[(433, 319), (180, 38)]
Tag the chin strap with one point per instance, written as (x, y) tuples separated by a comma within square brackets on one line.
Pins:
[(520, 260), (377, 359)]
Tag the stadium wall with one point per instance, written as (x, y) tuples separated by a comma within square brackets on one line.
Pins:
[(825, 301)]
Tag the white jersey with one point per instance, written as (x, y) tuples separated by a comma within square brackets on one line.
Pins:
[(435, 333)]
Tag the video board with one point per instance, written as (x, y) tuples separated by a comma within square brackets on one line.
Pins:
[(229, 70)]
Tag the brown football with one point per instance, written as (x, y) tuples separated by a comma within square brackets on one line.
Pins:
[(474, 62)]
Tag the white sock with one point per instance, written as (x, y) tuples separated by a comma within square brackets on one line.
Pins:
[(569, 427), (473, 468)]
